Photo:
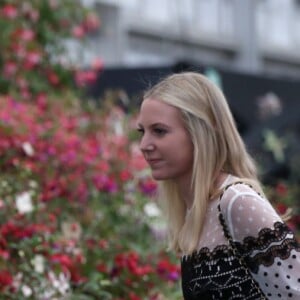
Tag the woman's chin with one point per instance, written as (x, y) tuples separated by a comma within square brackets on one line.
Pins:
[(159, 176)]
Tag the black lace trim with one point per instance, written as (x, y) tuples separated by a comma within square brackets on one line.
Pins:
[(266, 252), (266, 237), (206, 254)]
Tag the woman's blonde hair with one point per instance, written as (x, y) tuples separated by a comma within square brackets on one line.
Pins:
[(217, 147)]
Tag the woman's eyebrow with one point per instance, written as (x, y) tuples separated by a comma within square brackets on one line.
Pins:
[(160, 124), (139, 125)]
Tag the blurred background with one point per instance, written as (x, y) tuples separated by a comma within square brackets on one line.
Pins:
[(248, 48), (257, 37), (78, 215)]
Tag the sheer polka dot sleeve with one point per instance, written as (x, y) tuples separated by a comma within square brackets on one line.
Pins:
[(267, 245)]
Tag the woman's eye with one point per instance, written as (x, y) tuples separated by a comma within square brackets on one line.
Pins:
[(160, 131), (140, 131)]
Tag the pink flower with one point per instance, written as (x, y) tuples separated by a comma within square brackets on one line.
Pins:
[(22, 83), (78, 32), (9, 11), (27, 35), (41, 100), (105, 183), (32, 59), (97, 64), (83, 78), (10, 68), (19, 50), (4, 254), (92, 22), (25, 94), (34, 15)]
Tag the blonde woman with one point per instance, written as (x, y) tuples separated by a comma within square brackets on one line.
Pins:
[(233, 244)]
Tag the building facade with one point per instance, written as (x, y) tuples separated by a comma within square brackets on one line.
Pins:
[(253, 36)]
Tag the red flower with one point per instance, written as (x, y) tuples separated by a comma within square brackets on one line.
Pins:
[(62, 259), (281, 208), (11, 230), (281, 189), (131, 262), (125, 175), (52, 78), (70, 265), (168, 270), (6, 279), (102, 268), (133, 296)]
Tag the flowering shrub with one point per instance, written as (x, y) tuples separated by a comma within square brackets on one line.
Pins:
[(284, 198), (33, 35), (72, 193), (72, 185)]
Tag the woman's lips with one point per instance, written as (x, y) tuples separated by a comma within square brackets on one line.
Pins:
[(153, 161)]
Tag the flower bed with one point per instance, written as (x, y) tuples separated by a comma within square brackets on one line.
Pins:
[(73, 191)]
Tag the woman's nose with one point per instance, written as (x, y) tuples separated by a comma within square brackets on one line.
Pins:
[(146, 144)]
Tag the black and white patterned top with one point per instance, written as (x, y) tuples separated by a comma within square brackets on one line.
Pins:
[(268, 247)]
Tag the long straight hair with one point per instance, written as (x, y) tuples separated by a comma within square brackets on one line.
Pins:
[(217, 147)]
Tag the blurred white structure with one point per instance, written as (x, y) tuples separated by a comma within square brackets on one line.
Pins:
[(258, 36)]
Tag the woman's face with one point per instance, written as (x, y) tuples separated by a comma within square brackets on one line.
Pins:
[(165, 142)]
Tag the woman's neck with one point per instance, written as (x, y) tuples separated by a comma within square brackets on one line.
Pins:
[(187, 193)]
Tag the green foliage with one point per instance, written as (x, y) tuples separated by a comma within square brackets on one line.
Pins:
[(33, 54)]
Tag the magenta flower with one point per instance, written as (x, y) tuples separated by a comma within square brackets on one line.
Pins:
[(9, 11)]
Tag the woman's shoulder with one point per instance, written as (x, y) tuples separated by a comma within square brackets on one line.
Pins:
[(246, 211), (234, 188), (239, 195)]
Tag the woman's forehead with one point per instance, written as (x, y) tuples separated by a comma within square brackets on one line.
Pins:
[(153, 110)]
